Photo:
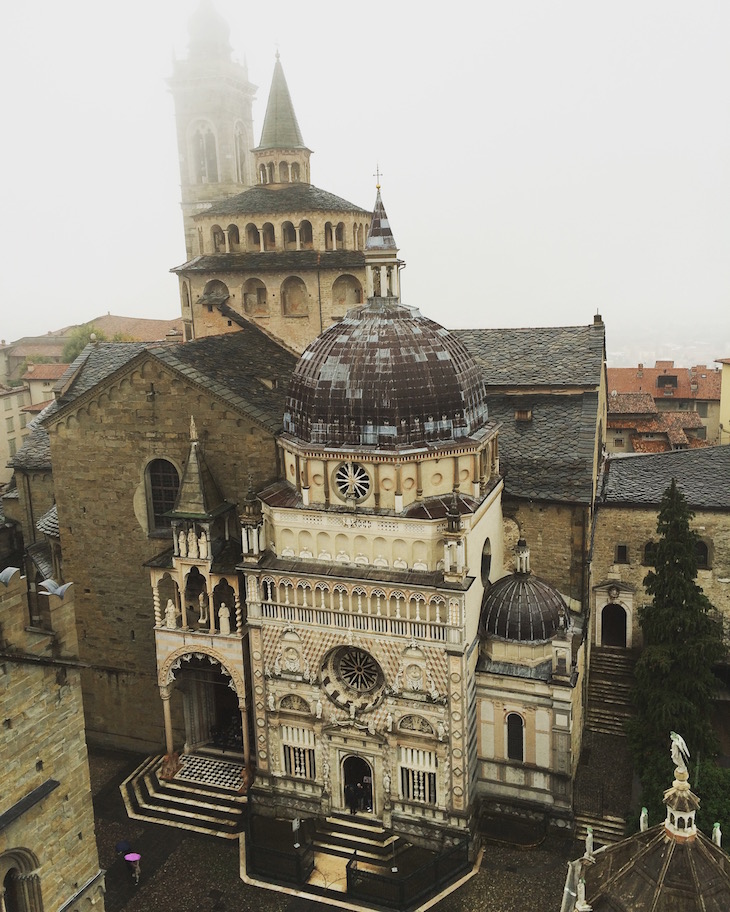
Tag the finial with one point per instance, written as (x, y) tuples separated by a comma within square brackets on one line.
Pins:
[(277, 50), (376, 175), (193, 430)]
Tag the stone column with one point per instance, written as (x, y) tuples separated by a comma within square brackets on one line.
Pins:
[(165, 694), (244, 732), (297, 232), (158, 617), (239, 615)]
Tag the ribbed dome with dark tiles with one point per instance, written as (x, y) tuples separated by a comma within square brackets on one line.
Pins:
[(522, 607), (385, 376)]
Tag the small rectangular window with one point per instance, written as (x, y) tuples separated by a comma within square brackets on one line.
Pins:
[(702, 409), (622, 554), (12, 446), (618, 442), (9, 425), (523, 414)]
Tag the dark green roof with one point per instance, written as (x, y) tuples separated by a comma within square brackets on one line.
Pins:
[(281, 130)]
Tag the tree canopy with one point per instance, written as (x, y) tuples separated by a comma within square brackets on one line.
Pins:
[(675, 682)]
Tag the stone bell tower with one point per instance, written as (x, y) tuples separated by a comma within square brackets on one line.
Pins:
[(213, 98)]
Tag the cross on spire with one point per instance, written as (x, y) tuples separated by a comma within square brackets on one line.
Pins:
[(376, 175)]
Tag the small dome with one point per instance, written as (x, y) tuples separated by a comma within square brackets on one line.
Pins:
[(385, 376), (522, 607)]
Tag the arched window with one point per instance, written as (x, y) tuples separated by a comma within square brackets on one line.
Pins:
[(262, 174), (254, 297), (295, 172), (163, 483), (283, 172), (218, 238), (269, 237), (305, 235), (205, 157), (234, 238), (702, 554), (515, 737), (253, 238), (649, 554), (486, 562), (288, 236), (294, 299)]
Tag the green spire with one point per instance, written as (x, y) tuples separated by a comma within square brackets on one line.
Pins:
[(281, 130)]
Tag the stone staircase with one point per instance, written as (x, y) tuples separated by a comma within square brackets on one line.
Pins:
[(346, 834), (201, 807), (604, 778), (609, 690)]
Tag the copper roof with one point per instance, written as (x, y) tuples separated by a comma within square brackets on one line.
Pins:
[(281, 129)]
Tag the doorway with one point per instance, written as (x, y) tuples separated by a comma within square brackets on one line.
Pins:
[(212, 714), (613, 625), (357, 785)]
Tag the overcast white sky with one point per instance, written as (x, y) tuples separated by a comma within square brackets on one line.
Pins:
[(542, 160)]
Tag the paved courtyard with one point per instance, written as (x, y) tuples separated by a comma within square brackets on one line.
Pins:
[(186, 872)]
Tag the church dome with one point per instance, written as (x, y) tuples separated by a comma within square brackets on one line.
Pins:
[(385, 376), (522, 607)]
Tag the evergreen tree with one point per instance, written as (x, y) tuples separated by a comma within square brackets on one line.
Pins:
[(675, 683)]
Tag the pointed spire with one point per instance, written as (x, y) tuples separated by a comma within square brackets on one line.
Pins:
[(380, 237), (281, 129), (199, 496)]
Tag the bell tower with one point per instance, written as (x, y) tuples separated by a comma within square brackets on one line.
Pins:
[(213, 99)]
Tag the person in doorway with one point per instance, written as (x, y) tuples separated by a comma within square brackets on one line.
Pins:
[(360, 792), (351, 797), (367, 785)]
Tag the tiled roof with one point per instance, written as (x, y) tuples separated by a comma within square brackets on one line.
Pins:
[(698, 382), (380, 236), (274, 261), (549, 457), (35, 454), (639, 445), (631, 404), (36, 349), (542, 356), (137, 329), (40, 554), (95, 363), (702, 475), (44, 372), (48, 523), (292, 198)]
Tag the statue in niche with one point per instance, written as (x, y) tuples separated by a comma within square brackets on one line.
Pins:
[(318, 709), (389, 722), (192, 543), (203, 618), (224, 619), (202, 545), (182, 544), (170, 615), (386, 781), (271, 702)]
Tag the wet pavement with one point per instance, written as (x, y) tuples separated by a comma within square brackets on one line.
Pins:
[(186, 872)]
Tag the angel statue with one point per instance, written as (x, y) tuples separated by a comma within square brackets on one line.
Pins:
[(680, 752)]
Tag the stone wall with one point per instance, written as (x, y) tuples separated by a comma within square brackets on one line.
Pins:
[(100, 450), (43, 748), (633, 527), (557, 535)]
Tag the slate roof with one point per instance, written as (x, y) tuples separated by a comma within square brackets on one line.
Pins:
[(541, 356), (274, 261), (231, 366), (702, 475), (40, 553), (261, 200), (35, 453), (551, 456), (48, 523), (644, 379), (380, 236)]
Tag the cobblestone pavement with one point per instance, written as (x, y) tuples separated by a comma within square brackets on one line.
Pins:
[(186, 872)]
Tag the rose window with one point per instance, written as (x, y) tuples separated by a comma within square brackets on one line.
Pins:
[(359, 670), (351, 677), (352, 481)]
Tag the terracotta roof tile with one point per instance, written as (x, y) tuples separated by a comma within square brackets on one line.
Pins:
[(44, 371), (631, 404), (698, 382)]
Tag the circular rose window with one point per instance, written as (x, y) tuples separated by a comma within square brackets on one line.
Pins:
[(352, 677), (352, 481)]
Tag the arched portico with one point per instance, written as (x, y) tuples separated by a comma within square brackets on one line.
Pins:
[(214, 700), (614, 615)]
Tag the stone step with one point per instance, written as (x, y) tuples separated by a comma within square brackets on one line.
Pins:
[(202, 809), (609, 663), (343, 835)]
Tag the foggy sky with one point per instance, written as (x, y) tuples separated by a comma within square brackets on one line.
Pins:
[(541, 161)]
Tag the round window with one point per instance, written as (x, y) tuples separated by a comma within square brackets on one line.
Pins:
[(352, 481)]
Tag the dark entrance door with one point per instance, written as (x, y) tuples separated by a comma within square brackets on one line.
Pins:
[(357, 785), (613, 626)]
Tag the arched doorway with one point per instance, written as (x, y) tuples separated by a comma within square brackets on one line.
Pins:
[(212, 713), (613, 625), (357, 774)]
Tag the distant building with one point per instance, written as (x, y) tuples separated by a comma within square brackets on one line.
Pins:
[(675, 389), (725, 401), (40, 380), (636, 425), (13, 429)]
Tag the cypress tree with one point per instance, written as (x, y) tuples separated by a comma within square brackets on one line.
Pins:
[(675, 683)]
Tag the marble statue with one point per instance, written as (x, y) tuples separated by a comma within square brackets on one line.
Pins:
[(202, 545), (389, 722), (717, 835), (680, 752), (224, 619), (271, 702), (192, 543), (644, 820), (589, 842), (318, 709), (182, 544), (170, 614)]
